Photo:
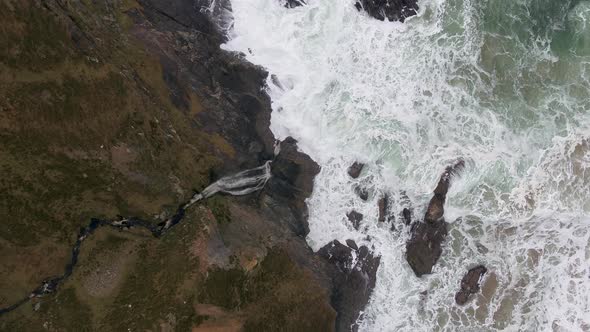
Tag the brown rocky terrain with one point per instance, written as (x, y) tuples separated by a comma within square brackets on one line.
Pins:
[(125, 108)]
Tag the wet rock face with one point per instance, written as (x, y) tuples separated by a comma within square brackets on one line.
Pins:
[(355, 218), (425, 246), (291, 183), (470, 284), (383, 205), (392, 10), (407, 214), (362, 193), (355, 169), (353, 280)]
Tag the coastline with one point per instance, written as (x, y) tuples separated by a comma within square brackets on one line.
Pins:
[(254, 245)]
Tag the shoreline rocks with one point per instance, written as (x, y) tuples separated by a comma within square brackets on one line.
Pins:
[(355, 218), (470, 284), (294, 3), (292, 183), (354, 280), (392, 10), (355, 169), (407, 215), (362, 193), (383, 206), (425, 245)]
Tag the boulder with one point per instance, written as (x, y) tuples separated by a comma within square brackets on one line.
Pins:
[(294, 3), (383, 205), (392, 10), (355, 169), (425, 246), (355, 218), (407, 214), (362, 193), (353, 280), (436, 210), (470, 284), (352, 244)]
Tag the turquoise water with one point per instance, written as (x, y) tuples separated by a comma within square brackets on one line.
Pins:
[(505, 85)]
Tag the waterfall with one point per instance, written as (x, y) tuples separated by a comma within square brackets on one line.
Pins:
[(238, 184), (242, 183)]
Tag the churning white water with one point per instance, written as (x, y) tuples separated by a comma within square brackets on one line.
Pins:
[(503, 84)]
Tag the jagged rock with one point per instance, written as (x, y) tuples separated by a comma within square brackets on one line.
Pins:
[(355, 169), (355, 218), (436, 210), (470, 284), (362, 193), (352, 244), (392, 10), (294, 3), (425, 246), (353, 281), (292, 182), (383, 205), (407, 214), (337, 254)]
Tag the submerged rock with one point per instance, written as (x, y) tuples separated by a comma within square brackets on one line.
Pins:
[(392, 10), (362, 193), (355, 169), (470, 284), (355, 218), (353, 280), (294, 3)]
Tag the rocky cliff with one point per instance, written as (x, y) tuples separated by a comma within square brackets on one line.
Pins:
[(126, 108)]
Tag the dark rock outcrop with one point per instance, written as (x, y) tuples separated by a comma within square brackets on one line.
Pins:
[(352, 244), (355, 218), (383, 205), (362, 193), (353, 281), (436, 210), (425, 245), (407, 214), (392, 10), (292, 182), (294, 3), (355, 169), (470, 284)]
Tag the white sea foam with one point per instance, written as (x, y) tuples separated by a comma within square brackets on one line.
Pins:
[(469, 79)]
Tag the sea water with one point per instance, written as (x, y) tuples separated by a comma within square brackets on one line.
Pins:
[(502, 84)]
